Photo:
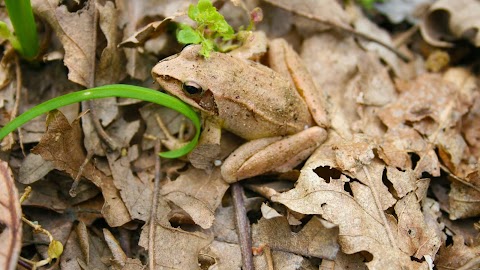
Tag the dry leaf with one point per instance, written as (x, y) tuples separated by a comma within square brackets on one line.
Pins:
[(174, 248), (428, 103), (119, 256), (136, 194), (221, 255), (313, 240), (458, 255), (147, 32), (363, 25), (464, 197), (332, 61), (397, 144), (284, 260), (111, 65), (448, 21), (10, 219), (73, 254), (345, 261), (327, 11), (451, 149), (33, 168), (198, 193), (74, 31), (359, 207), (82, 234), (62, 144), (134, 15)]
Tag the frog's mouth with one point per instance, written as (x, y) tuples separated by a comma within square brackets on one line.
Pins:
[(195, 96)]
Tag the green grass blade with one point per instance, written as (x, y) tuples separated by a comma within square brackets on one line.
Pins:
[(114, 90), (21, 16)]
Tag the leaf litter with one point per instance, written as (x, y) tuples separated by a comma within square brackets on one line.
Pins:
[(394, 186)]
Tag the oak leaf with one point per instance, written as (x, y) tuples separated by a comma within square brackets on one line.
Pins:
[(358, 202), (62, 144)]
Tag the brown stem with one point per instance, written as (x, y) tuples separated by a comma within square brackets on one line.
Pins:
[(243, 227), (153, 209)]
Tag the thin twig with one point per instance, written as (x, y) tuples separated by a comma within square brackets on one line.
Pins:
[(153, 209), (18, 97), (376, 199), (78, 177), (112, 144), (243, 227)]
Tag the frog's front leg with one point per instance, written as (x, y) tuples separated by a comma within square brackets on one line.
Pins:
[(272, 155)]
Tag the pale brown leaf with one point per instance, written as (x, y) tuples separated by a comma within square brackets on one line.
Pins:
[(82, 234), (136, 194), (74, 31), (139, 63), (328, 11), (10, 219), (33, 168), (359, 208), (174, 248), (119, 256), (222, 255), (111, 66), (62, 144), (198, 193), (314, 240), (283, 260), (447, 21), (429, 103), (464, 197), (458, 255), (332, 61), (73, 256)]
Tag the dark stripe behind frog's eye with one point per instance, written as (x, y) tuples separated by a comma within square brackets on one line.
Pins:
[(192, 88)]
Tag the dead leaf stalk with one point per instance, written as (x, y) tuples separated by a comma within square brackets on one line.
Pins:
[(153, 209), (112, 144), (379, 207), (78, 177), (243, 226)]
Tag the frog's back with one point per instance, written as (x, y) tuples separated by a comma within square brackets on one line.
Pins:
[(249, 99)]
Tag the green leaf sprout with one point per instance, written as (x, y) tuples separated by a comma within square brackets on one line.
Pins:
[(212, 30), (25, 40)]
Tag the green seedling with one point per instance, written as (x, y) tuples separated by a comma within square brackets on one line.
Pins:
[(25, 39), (114, 90), (368, 4), (212, 31)]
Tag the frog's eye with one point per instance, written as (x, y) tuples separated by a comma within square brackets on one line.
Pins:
[(192, 88)]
